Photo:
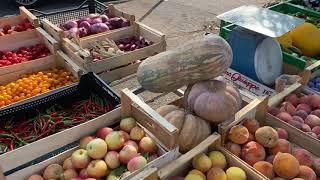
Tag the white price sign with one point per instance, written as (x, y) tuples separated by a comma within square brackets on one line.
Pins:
[(248, 84)]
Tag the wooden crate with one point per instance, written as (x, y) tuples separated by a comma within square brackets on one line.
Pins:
[(14, 20), (183, 164), (59, 34), (27, 39), (163, 132), (33, 150), (257, 109), (309, 142), (75, 51)]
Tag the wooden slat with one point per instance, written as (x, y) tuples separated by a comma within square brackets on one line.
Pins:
[(44, 64), (69, 64), (1, 174), (113, 11), (50, 43), (39, 168), (17, 40), (126, 58), (27, 14), (278, 98), (56, 32), (24, 65), (175, 166), (149, 118), (125, 33), (119, 73), (11, 20)]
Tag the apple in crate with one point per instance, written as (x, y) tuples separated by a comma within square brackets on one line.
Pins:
[(137, 133), (103, 132), (112, 159), (97, 148), (136, 163), (97, 169), (147, 145), (127, 153), (127, 124), (80, 159), (115, 141), (84, 141)]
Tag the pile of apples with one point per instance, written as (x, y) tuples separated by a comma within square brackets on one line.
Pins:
[(270, 152), (23, 26), (211, 167), (302, 112), (110, 155)]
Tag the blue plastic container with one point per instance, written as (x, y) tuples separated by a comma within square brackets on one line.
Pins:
[(255, 55)]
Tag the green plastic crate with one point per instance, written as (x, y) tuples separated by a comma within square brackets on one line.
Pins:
[(283, 8), (298, 4)]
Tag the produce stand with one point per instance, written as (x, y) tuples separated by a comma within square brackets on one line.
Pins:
[(258, 110), (118, 66), (51, 22), (181, 165), (27, 39), (155, 126)]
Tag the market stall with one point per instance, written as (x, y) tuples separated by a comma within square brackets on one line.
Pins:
[(60, 118)]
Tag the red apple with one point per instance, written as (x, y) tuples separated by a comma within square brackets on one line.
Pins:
[(112, 159), (136, 163), (53, 171), (115, 141), (137, 133), (97, 169), (97, 148), (127, 153), (80, 159), (132, 143), (127, 124), (67, 164), (69, 174), (125, 135), (84, 141), (147, 145), (83, 173), (103, 132), (35, 177)]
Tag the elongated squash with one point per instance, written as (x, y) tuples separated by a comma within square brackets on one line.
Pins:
[(197, 60)]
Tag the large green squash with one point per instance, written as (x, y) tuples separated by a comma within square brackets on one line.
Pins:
[(197, 60)]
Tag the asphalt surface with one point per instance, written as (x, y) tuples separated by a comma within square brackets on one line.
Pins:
[(9, 7)]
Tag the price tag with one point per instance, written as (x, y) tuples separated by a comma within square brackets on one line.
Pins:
[(248, 84)]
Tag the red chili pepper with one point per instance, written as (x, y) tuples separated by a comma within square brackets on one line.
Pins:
[(11, 146), (54, 114)]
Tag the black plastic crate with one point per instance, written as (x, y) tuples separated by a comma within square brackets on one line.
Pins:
[(62, 16)]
